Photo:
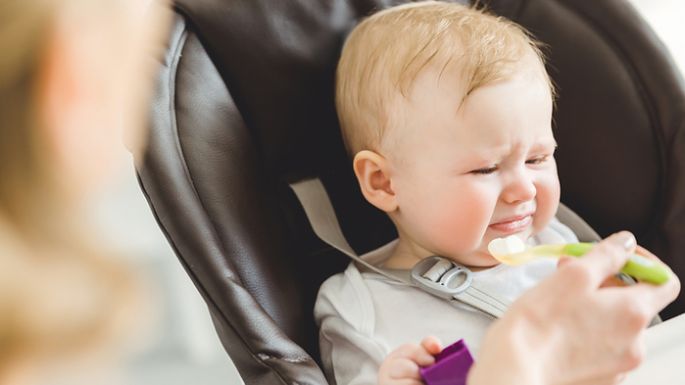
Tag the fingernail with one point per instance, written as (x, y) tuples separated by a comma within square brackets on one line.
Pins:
[(626, 240)]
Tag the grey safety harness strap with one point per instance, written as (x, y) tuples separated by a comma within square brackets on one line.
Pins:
[(435, 275)]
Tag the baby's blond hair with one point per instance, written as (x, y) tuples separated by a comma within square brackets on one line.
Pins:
[(386, 52)]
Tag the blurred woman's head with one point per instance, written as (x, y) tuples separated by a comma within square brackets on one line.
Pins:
[(74, 74)]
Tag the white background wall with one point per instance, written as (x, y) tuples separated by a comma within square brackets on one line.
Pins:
[(184, 348), (667, 17)]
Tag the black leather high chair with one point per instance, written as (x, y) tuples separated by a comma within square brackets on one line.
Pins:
[(244, 106)]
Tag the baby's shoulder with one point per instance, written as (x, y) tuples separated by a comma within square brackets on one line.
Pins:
[(342, 283), (344, 295)]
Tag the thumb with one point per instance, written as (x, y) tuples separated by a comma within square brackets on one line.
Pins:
[(608, 257), (563, 261)]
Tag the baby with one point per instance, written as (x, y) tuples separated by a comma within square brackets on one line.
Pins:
[(447, 113)]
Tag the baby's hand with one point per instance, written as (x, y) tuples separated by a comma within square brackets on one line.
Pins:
[(401, 366)]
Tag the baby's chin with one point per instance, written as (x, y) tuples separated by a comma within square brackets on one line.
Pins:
[(478, 260)]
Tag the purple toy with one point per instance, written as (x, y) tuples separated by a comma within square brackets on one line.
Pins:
[(451, 366)]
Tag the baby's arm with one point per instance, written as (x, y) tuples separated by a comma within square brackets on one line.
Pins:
[(401, 366)]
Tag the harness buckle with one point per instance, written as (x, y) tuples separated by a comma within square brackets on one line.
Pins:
[(441, 277)]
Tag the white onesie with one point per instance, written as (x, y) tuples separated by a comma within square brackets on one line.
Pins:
[(363, 316)]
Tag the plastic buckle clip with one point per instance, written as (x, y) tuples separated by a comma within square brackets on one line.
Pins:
[(440, 277)]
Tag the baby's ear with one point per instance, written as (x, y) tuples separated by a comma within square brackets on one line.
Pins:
[(373, 175)]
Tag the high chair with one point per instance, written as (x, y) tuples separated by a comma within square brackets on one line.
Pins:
[(244, 107)]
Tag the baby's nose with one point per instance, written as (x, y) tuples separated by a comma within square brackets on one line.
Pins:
[(520, 189)]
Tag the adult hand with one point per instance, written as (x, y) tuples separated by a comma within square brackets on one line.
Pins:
[(572, 329)]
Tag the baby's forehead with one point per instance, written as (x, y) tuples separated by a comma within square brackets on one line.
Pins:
[(450, 87), (441, 106)]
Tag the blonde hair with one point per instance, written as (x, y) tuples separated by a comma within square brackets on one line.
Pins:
[(386, 52), (58, 292), (23, 149)]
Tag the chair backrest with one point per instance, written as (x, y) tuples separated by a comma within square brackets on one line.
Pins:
[(244, 106)]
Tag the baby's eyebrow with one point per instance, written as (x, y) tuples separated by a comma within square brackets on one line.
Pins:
[(490, 153), (544, 144)]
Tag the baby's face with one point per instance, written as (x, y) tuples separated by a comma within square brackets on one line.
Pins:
[(466, 175)]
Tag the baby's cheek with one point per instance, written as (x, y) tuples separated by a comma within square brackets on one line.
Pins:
[(468, 223), (548, 194)]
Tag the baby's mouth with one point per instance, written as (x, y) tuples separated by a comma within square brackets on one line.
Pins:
[(513, 224)]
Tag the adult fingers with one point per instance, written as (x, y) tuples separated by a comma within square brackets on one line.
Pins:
[(613, 379), (652, 298), (613, 281), (563, 261), (604, 260), (645, 253), (675, 284)]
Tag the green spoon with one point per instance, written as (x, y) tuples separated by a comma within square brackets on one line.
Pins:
[(512, 251)]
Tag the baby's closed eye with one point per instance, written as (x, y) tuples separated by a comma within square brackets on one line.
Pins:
[(484, 170), (538, 159)]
